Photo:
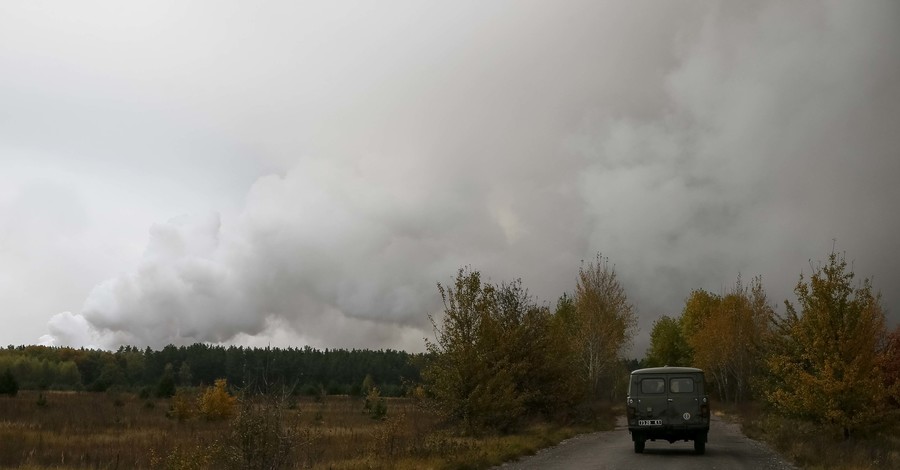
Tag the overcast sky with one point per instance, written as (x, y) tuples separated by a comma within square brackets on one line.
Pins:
[(294, 173)]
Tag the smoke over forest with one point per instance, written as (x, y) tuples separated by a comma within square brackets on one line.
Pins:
[(309, 173)]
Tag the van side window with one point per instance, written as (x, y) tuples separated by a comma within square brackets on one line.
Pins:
[(681, 385), (653, 386)]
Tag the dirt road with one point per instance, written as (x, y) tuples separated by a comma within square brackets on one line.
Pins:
[(727, 449)]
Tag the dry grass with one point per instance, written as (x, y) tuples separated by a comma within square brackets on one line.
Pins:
[(815, 447), (99, 430)]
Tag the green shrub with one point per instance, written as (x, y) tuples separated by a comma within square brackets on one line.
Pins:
[(183, 407), (375, 405)]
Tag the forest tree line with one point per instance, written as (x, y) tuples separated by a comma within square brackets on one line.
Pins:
[(303, 370)]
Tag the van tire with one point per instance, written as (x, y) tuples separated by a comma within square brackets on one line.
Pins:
[(700, 445), (639, 446)]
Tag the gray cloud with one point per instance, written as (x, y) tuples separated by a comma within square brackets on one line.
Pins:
[(352, 156)]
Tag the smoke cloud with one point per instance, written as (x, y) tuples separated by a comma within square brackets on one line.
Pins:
[(689, 143)]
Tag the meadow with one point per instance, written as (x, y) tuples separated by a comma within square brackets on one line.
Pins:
[(42, 430)]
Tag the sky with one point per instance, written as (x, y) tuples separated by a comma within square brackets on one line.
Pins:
[(305, 173)]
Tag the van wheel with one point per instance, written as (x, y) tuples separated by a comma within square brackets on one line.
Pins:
[(639, 446), (700, 446)]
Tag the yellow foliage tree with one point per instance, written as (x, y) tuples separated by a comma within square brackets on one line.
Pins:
[(216, 403), (698, 308), (826, 366), (727, 335), (605, 323)]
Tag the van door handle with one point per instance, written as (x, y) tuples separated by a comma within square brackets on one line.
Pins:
[(669, 400)]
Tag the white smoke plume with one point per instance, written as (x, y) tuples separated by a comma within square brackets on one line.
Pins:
[(688, 143)]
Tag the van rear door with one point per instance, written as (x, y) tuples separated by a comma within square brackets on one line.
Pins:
[(683, 399), (651, 409)]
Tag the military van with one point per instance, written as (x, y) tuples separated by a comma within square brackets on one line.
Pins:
[(670, 404)]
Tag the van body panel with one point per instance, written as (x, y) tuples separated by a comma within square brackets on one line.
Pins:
[(668, 403)]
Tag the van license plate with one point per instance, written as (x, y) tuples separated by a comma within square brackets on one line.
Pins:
[(649, 422)]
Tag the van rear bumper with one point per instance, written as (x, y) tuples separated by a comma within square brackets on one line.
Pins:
[(671, 433)]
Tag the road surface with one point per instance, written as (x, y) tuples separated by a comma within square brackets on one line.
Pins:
[(727, 449)]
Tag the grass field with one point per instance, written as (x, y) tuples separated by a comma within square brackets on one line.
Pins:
[(108, 430)]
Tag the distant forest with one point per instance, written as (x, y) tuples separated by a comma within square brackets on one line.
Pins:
[(257, 370)]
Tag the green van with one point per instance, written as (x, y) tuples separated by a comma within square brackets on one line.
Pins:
[(668, 403)]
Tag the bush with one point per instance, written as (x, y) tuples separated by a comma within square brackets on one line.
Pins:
[(183, 406), (389, 438), (810, 445), (216, 403), (262, 437), (8, 384), (166, 386), (375, 404)]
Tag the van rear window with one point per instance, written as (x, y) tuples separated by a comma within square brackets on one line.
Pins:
[(681, 385), (653, 386)]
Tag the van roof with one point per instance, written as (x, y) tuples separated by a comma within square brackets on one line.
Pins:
[(667, 370)]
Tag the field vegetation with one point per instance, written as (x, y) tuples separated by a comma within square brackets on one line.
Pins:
[(121, 430), (807, 446)]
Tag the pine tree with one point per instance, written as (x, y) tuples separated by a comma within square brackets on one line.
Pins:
[(166, 386)]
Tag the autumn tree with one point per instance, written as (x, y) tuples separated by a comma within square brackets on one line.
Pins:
[(604, 323), (216, 403), (726, 335), (667, 344), (563, 353), (368, 384), (698, 308), (455, 369), (706, 333), (753, 331), (519, 334), (825, 363), (374, 404), (890, 366), (493, 359), (183, 405)]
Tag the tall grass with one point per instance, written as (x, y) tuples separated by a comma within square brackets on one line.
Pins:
[(120, 430), (816, 447)]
